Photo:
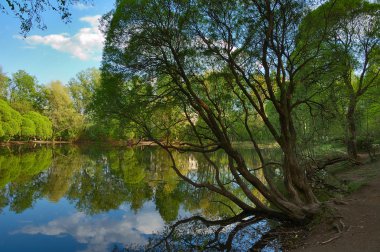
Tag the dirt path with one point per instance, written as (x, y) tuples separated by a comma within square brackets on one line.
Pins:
[(360, 218)]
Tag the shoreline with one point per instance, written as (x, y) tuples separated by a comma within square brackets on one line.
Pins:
[(122, 143), (78, 143), (15, 143)]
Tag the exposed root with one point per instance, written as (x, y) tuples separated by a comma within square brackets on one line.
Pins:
[(341, 228), (340, 202), (342, 224), (331, 239)]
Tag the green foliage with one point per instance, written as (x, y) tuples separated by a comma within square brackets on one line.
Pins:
[(4, 85), (108, 130), (10, 121), (24, 92), (43, 126), (28, 128), (350, 54), (66, 108), (67, 123), (82, 87), (13, 125)]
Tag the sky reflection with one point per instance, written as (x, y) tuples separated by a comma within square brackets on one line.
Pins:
[(93, 199), (101, 231)]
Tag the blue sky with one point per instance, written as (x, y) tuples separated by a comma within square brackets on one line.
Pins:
[(60, 51)]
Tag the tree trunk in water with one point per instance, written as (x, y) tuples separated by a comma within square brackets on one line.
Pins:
[(352, 149)]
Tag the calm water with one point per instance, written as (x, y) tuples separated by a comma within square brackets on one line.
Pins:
[(74, 198)]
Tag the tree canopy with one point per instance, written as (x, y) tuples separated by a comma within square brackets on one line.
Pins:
[(13, 125), (10, 121), (213, 68), (66, 121)]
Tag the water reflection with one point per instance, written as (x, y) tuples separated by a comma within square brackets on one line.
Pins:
[(196, 233), (102, 230), (106, 197)]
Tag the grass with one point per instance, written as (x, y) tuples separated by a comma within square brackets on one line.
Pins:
[(352, 177), (355, 185)]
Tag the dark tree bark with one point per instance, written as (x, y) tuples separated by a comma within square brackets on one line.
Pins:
[(352, 149)]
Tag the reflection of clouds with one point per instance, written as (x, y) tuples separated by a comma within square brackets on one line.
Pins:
[(149, 223), (193, 162), (100, 232)]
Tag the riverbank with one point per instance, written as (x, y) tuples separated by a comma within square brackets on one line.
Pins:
[(15, 143), (354, 224), (110, 143), (122, 143)]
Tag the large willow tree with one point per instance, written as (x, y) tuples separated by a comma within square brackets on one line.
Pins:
[(206, 67)]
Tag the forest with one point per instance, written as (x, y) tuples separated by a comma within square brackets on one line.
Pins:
[(31, 111), (208, 77)]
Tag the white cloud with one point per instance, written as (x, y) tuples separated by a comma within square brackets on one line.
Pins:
[(86, 44), (82, 6), (93, 20)]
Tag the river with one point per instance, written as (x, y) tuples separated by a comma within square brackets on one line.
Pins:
[(93, 198)]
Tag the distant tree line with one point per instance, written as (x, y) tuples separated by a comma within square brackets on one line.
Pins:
[(33, 111)]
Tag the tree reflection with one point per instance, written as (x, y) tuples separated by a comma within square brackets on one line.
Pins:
[(241, 232), (66, 163), (21, 178), (98, 180)]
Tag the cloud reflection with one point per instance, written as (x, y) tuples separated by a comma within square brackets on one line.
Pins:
[(101, 231)]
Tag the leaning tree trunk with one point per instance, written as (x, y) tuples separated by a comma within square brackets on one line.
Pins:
[(352, 149), (296, 182)]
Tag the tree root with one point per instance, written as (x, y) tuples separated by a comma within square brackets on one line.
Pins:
[(340, 202), (341, 228), (331, 239)]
